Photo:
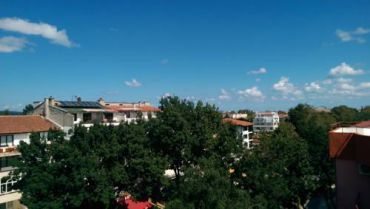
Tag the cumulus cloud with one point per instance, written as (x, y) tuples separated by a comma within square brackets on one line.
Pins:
[(355, 35), (259, 71), (345, 69), (364, 85), (44, 30), (225, 95), (313, 87), (133, 83), (10, 44), (287, 89), (346, 87), (252, 93)]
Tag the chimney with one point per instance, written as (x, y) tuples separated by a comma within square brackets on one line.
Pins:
[(101, 101), (46, 108)]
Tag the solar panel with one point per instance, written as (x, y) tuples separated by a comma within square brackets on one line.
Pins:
[(82, 104)]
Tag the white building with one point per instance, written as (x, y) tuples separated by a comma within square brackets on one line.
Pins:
[(243, 129), (265, 122), (13, 130), (129, 112)]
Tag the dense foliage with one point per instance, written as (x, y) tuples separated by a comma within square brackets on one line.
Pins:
[(211, 168)]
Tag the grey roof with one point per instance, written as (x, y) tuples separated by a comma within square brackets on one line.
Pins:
[(82, 104)]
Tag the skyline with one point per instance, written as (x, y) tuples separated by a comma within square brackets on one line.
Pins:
[(258, 55)]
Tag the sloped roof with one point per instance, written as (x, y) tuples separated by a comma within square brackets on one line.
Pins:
[(24, 124), (363, 124), (236, 122), (77, 104)]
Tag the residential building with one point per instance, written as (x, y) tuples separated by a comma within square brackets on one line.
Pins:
[(243, 129), (67, 114), (13, 130), (349, 145), (265, 122), (130, 112)]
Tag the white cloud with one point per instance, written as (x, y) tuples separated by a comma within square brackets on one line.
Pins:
[(355, 35), (133, 83), (327, 81), (225, 95), (346, 87), (344, 69), (44, 30), (286, 88), (259, 71), (252, 93), (365, 85), (313, 87), (10, 44)]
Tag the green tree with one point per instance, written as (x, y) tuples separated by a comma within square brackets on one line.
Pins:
[(364, 113), (207, 187), (27, 109), (184, 133), (5, 112), (90, 169), (278, 171), (314, 126), (344, 113)]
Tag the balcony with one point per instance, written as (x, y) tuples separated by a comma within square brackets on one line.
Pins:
[(8, 151)]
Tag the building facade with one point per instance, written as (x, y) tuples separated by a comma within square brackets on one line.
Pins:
[(265, 122), (243, 129), (350, 147), (13, 130), (67, 114)]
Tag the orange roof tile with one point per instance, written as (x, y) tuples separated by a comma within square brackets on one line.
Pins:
[(24, 124), (236, 122), (123, 108), (363, 124)]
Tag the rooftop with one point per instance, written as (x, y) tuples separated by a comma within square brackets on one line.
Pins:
[(79, 104), (236, 122), (24, 124)]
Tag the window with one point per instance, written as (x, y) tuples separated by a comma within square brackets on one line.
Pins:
[(364, 169), (75, 116), (6, 163), (86, 117), (108, 116), (7, 141)]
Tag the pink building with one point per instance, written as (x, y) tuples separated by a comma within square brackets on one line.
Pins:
[(350, 147)]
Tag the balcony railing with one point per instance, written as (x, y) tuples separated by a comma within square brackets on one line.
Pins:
[(8, 151)]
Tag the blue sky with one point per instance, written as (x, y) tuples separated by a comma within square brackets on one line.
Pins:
[(262, 55)]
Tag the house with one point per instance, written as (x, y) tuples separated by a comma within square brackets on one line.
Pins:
[(130, 112), (67, 114), (243, 129), (349, 145), (265, 122), (13, 130)]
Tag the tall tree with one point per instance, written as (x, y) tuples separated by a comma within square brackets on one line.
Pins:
[(184, 133), (207, 187), (344, 113), (313, 126), (278, 171)]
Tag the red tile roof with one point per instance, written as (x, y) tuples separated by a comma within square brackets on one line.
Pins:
[(363, 124), (236, 122), (132, 204), (24, 124)]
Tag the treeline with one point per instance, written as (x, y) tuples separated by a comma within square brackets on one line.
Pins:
[(211, 167)]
